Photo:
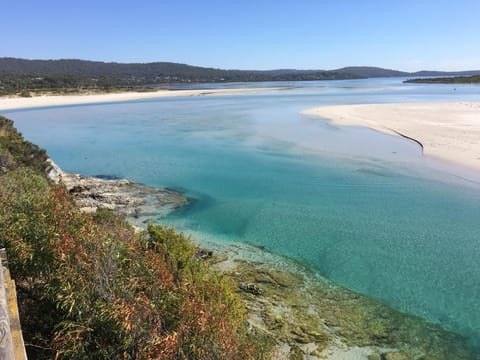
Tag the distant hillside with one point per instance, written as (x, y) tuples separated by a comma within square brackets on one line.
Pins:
[(447, 80), (158, 72), (167, 71), (32, 77), (371, 72), (445, 73), (90, 68)]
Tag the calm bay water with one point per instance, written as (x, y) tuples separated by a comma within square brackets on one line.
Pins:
[(364, 209)]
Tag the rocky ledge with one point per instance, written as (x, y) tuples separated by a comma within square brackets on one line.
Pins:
[(312, 318), (123, 196)]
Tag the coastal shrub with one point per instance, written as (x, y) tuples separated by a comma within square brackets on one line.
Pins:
[(23, 229), (89, 287), (29, 235), (15, 151)]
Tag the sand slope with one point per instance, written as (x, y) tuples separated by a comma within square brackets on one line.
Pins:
[(447, 131)]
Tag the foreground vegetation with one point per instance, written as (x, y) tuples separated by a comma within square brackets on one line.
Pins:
[(89, 287), (447, 80)]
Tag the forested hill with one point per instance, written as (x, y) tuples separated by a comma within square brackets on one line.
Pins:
[(33, 77), (447, 80), (372, 72), (158, 72), (168, 71)]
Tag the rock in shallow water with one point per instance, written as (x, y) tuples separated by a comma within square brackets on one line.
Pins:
[(203, 254), (397, 355), (123, 196), (250, 288)]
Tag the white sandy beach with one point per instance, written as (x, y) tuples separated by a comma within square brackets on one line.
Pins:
[(10, 103), (447, 131)]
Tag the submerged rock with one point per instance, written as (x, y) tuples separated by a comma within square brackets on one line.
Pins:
[(313, 317), (250, 288), (397, 355), (203, 254)]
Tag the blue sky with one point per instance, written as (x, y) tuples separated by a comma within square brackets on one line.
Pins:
[(239, 34)]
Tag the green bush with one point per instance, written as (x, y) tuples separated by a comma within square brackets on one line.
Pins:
[(18, 151), (90, 288)]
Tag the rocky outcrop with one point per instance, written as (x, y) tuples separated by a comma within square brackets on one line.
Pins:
[(123, 196), (54, 172)]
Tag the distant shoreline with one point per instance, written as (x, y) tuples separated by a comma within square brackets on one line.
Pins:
[(465, 80), (13, 103), (445, 131)]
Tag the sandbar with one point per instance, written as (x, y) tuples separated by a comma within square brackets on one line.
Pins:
[(446, 131), (11, 103)]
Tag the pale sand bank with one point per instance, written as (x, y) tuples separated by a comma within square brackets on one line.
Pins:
[(447, 131), (10, 103)]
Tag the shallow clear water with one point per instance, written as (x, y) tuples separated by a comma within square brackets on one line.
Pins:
[(363, 208)]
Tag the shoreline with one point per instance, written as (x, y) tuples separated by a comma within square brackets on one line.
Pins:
[(445, 131), (14, 103), (305, 314), (311, 315)]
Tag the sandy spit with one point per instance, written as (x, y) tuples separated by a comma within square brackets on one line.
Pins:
[(446, 131), (10, 103)]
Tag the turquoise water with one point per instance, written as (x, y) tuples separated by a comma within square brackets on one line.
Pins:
[(364, 209)]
